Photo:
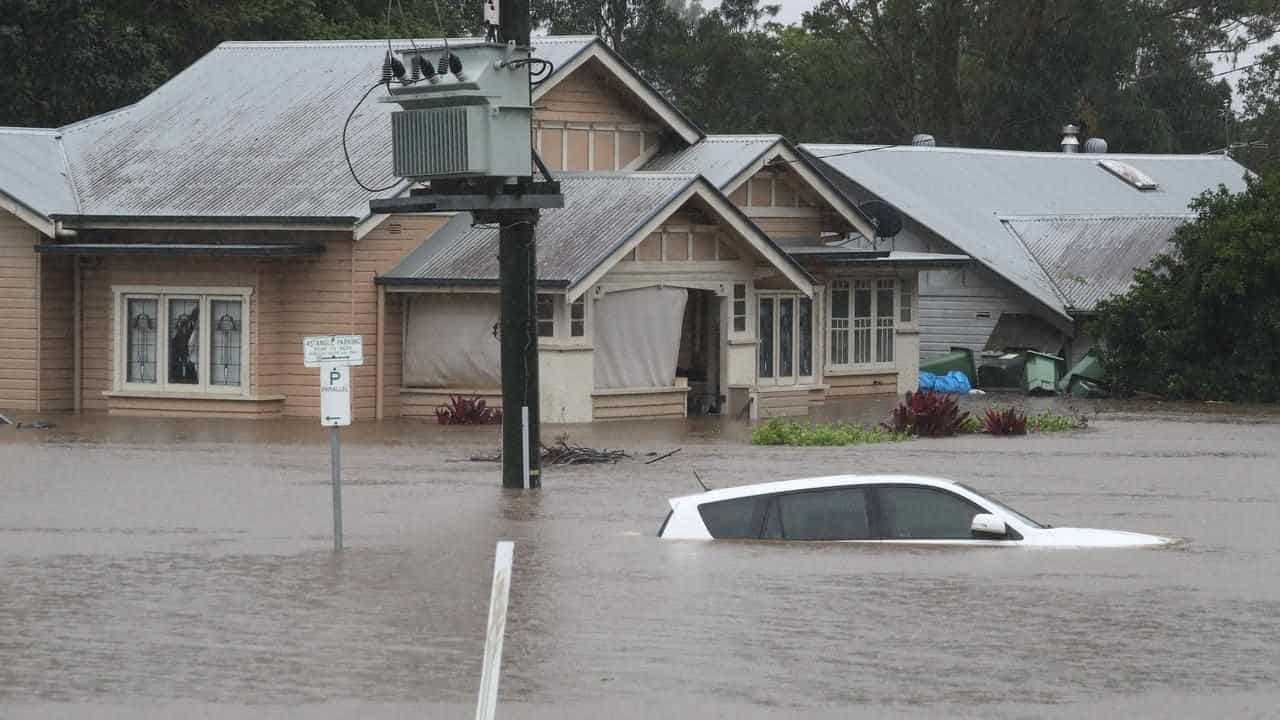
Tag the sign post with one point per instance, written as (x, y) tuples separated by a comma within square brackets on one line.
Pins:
[(334, 355)]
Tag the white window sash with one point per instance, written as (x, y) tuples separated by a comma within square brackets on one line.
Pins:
[(204, 296), (855, 342)]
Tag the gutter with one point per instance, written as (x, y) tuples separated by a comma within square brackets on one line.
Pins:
[(457, 282)]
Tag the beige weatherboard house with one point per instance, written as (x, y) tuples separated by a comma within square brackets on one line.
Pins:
[(168, 258)]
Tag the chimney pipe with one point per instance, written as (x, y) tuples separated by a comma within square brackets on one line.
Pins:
[(1070, 142)]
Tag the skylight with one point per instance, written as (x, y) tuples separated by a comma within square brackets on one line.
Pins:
[(1130, 174)]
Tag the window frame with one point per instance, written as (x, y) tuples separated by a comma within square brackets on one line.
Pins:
[(776, 379), (873, 287), (881, 523), (162, 295)]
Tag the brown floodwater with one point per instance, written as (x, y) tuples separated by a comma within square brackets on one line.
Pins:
[(183, 568)]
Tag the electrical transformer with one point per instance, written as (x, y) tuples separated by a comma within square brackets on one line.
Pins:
[(466, 113)]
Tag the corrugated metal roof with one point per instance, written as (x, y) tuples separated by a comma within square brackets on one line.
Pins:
[(32, 169), (602, 211), (1092, 258), (718, 158), (961, 194), (252, 129)]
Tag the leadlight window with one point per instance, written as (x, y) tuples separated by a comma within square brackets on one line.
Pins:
[(182, 340), (905, 293)]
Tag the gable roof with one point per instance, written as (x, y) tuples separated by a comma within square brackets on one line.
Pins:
[(1091, 258), (605, 215), (728, 161), (628, 76), (251, 132), (33, 174), (963, 194), (718, 158)]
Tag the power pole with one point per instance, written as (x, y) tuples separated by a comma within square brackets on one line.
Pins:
[(518, 284), (502, 193)]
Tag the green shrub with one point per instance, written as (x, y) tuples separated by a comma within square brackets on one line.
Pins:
[(780, 431), (1051, 422), (927, 414)]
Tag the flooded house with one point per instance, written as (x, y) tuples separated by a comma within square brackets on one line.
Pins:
[(168, 258), (1050, 233)]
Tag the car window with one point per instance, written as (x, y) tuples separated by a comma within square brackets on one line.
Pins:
[(925, 513), (836, 514), (772, 522), (737, 518), (1023, 518)]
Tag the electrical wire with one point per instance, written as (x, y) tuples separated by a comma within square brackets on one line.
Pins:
[(346, 153)]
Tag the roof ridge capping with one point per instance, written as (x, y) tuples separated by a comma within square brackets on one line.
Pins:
[(850, 148), (407, 42)]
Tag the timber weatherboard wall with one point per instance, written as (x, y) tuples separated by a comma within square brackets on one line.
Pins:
[(584, 124), (19, 315)]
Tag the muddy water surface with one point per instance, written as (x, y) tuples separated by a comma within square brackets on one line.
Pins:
[(162, 569)]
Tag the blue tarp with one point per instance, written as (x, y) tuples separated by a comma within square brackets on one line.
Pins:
[(953, 383)]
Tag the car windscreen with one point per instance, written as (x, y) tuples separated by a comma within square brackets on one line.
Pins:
[(1019, 516)]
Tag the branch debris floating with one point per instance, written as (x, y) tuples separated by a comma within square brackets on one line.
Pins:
[(663, 456), (563, 453)]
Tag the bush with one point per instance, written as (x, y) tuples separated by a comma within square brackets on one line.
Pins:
[(927, 414), (467, 411), (1009, 421), (779, 431), (1203, 321)]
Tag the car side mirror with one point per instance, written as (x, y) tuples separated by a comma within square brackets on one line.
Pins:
[(988, 525)]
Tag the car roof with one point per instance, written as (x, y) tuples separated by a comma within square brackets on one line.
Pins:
[(808, 484)]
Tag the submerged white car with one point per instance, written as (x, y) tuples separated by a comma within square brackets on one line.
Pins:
[(879, 509)]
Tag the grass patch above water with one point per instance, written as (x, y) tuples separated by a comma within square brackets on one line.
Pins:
[(1050, 422), (780, 431)]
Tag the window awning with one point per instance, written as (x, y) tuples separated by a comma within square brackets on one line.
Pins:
[(184, 249)]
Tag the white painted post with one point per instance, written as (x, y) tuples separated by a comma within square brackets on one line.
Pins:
[(524, 441), (488, 703)]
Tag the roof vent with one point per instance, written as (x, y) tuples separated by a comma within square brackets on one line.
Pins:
[(1095, 146), (1070, 143), (1130, 174), (923, 140)]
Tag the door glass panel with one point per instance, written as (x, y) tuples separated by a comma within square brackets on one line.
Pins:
[(141, 331), (786, 336), (184, 341), (837, 514), (912, 513), (766, 338), (804, 322), (737, 518), (225, 346)]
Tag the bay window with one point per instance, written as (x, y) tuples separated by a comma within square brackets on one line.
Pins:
[(182, 339), (861, 322)]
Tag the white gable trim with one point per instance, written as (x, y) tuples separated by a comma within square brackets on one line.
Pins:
[(636, 85), (727, 212), (26, 215), (815, 182)]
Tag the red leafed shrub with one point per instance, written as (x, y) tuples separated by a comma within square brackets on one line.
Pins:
[(467, 411), (1009, 421), (927, 414)]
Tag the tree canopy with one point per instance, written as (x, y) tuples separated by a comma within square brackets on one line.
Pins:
[(982, 73), (1203, 322)]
